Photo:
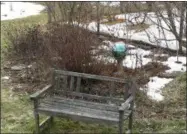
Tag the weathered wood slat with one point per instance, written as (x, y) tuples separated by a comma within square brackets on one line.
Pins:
[(89, 96), (64, 105), (125, 105), (90, 76), (92, 105), (75, 117), (78, 84), (72, 83), (65, 80), (81, 113), (57, 83), (112, 87), (40, 92), (78, 109)]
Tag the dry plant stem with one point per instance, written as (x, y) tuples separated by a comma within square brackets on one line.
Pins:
[(120, 66)]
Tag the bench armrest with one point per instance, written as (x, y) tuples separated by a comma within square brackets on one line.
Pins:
[(125, 105), (37, 94)]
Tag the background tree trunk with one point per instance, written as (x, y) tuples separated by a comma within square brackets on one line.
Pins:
[(122, 6), (98, 18)]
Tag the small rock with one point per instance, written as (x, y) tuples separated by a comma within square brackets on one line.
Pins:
[(29, 66), (5, 78), (18, 67), (18, 87), (153, 113)]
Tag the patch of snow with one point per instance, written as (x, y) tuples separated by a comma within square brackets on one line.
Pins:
[(18, 67), (154, 87), (130, 61), (140, 51), (171, 62), (153, 35), (107, 45), (135, 58), (110, 3), (105, 59), (13, 10), (104, 47)]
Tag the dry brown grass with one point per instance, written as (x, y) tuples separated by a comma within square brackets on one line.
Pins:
[(138, 27), (113, 22)]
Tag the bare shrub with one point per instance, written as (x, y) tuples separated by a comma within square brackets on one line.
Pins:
[(59, 46), (23, 41), (69, 47)]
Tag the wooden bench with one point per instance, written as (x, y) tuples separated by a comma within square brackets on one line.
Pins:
[(76, 96)]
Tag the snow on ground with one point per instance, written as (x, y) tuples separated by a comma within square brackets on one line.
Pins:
[(171, 62), (135, 57), (152, 35), (19, 10), (154, 86), (110, 3), (154, 38)]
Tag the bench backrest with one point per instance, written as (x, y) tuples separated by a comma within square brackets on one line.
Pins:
[(70, 82)]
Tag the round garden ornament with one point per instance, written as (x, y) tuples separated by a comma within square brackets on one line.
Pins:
[(119, 50)]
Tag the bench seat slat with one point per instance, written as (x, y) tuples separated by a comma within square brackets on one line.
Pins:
[(92, 105), (78, 94), (79, 109), (82, 113)]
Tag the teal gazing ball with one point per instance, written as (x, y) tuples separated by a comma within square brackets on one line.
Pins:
[(119, 50), (119, 47)]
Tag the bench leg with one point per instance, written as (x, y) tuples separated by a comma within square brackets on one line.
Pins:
[(36, 115), (121, 115), (50, 123), (51, 119), (46, 124), (130, 123)]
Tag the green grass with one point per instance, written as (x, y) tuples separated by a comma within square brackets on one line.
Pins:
[(175, 91), (16, 114)]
